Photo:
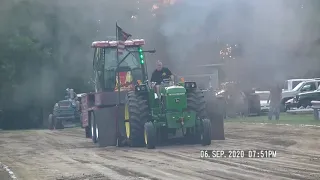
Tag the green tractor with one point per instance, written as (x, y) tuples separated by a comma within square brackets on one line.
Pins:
[(150, 119), (125, 109)]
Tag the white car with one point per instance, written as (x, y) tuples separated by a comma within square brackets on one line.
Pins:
[(264, 95), (264, 105)]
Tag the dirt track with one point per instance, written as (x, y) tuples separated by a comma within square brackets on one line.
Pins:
[(67, 155)]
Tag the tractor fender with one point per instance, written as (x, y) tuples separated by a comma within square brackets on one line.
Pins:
[(106, 120)]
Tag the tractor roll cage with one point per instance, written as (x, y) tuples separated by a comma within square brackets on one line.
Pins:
[(144, 69)]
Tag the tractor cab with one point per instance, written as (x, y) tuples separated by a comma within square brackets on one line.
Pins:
[(129, 66)]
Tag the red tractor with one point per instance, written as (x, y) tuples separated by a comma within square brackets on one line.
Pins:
[(113, 78)]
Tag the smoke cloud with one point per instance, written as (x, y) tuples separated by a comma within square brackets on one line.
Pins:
[(275, 36), (271, 34)]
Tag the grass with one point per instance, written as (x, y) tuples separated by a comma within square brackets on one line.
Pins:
[(306, 119)]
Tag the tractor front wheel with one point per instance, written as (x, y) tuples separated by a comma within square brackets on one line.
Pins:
[(205, 132), (150, 135), (196, 103)]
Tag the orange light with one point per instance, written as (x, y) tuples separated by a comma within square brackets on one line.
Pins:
[(182, 79)]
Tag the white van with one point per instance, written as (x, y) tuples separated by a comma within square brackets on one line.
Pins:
[(264, 96)]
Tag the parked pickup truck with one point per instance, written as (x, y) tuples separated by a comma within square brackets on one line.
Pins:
[(292, 83), (302, 87), (304, 99)]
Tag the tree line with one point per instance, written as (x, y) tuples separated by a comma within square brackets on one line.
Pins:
[(45, 46)]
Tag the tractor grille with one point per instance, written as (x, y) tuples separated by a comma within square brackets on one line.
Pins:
[(64, 104), (65, 111)]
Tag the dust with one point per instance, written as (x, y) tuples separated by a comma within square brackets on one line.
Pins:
[(68, 149)]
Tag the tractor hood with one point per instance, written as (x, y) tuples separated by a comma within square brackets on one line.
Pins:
[(175, 90), (175, 99), (64, 103)]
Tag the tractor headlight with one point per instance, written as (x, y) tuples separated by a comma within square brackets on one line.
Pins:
[(190, 85), (141, 88)]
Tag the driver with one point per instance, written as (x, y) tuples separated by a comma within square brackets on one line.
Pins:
[(159, 75), (67, 93), (70, 94)]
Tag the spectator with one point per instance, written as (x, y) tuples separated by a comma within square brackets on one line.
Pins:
[(275, 101)]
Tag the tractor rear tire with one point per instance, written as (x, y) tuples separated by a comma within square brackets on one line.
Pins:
[(50, 122), (216, 111), (138, 116), (196, 102), (88, 131), (93, 126), (150, 136), (206, 132)]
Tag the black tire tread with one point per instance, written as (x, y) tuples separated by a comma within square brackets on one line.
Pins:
[(196, 102), (88, 132), (206, 126), (138, 116), (151, 134)]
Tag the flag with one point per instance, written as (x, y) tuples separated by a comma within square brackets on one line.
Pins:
[(121, 37), (121, 47)]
